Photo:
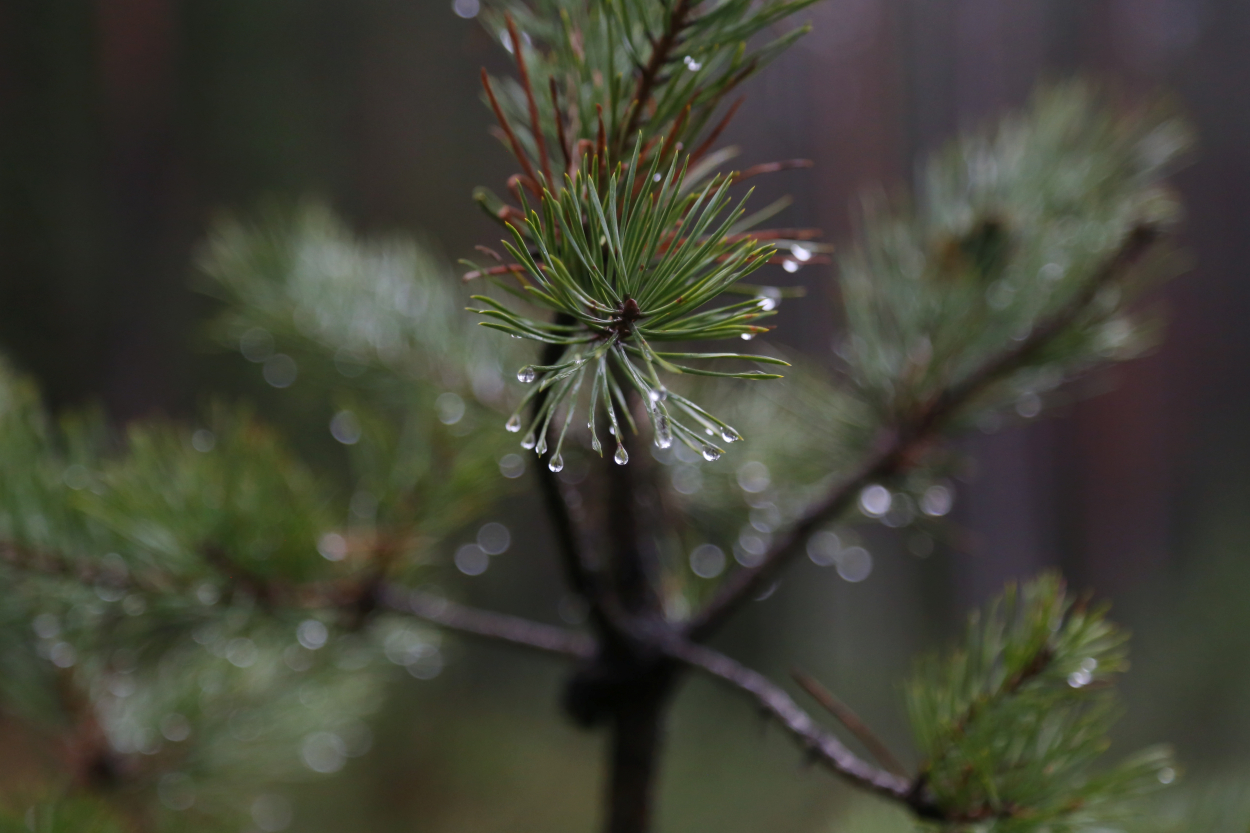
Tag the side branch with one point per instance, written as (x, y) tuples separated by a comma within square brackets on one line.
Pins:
[(486, 624), (661, 54), (819, 743), (910, 438)]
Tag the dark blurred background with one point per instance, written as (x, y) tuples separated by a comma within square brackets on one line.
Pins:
[(127, 125)]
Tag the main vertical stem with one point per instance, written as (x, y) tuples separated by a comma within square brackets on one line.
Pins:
[(637, 738)]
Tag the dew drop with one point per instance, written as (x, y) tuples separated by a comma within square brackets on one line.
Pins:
[(529, 441), (612, 430), (875, 500), (748, 336), (801, 253), (526, 374), (622, 456), (767, 304), (596, 446), (514, 423), (711, 453), (692, 64), (790, 266), (541, 448), (729, 435), (658, 394), (663, 432), (557, 463)]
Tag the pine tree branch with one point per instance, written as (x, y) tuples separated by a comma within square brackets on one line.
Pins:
[(348, 597), (909, 440), (661, 54), (816, 741), (500, 627), (848, 718)]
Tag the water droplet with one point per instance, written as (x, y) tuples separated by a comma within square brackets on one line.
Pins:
[(541, 448), (612, 430), (466, 8), (622, 456), (729, 435), (1089, 664), (1167, 775), (1029, 405), (711, 453), (692, 64), (767, 304), (557, 463), (471, 560), (823, 548), (748, 336), (663, 431), (595, 445), (511, 466), (345, 427), (854, 564), (790, 266), (707, 561), (280, 370), (529, 441), (753, 477), (658, 394), (937, 501), (526, 374), (801, 253), (875, 500), (1079, 679), (514, 423)]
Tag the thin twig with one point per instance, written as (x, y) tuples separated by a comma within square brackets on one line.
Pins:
[(517, 151), (716, 131), (536, 127), (660, 54), (485, 623), (560, 134), (848, 718), (822, 745), (910, 439)]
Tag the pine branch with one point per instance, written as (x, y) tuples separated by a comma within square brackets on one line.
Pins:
[(851, 721), (661, 55), (820, 744), (910, 439), (486, 624)]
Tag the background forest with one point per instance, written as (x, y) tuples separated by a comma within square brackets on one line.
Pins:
[(128, 126)]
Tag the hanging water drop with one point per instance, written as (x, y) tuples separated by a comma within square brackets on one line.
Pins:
[(612, 430), (526, 374), (692, 64), (663, 431), (790, 266), (622, 456), (801, 253), (596, 446), (528, 442), (767, 304), (541, 448), (557, 463), (748, 336), (729, 435), (514, 423), (711, 453), (658, 394)]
